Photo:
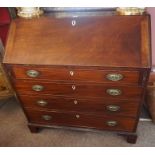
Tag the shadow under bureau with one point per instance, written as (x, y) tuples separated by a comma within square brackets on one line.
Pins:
[(82, 72)]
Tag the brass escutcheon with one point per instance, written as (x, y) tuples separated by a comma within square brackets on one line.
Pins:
[(42, 103), (113, 108), (73, 87), (77, 116), (37, 87), (114, 77), (71, 73), (111, 123), (32, 73), (46, 117), (114, 92), (75, 102)]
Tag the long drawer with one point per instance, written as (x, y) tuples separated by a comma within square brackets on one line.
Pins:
[(78, 90), (81, 120), (89, 105), (66, 73)]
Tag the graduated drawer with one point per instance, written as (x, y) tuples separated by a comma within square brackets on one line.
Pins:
[(77, 90), (65, 74), (90, 105), (81, 120)]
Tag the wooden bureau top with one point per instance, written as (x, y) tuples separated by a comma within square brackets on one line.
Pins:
[(113, 41)]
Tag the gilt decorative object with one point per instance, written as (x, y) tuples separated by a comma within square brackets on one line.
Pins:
[(29, 12), (130, 10)]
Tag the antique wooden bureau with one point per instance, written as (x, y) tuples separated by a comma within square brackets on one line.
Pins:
[(83, 72)]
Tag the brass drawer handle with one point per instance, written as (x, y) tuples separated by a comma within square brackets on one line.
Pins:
[(114, 92), (42, 103), (114, 77), (32, 73), (112, 123), (113, 108), (46, 117), (37, 88)]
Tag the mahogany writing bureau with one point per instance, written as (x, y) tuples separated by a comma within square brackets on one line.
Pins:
[(82, 72)]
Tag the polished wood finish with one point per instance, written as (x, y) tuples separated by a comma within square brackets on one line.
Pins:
[(76, 89), (83, 120), (87, 105), (76, 74), (132, 138), (87, 72), (33, 129), (109, 41)]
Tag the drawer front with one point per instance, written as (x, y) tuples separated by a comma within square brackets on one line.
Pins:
[(77, 90), (97, 105), (81, 120), (63, 74)]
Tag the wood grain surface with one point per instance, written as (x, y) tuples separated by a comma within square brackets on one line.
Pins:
[(50, 73), (94, 41), (89, 121)]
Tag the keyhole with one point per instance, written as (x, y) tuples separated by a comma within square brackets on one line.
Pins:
[(71, 73), (73, 87), (75, 102), (77, 116), (73, 22)]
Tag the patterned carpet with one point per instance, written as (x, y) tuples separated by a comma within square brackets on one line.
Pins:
[(14, 132)]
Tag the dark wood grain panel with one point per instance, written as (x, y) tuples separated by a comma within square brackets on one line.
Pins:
[(75, 74), (125, 124), (81, 90), (89, 105), (90, 43)]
